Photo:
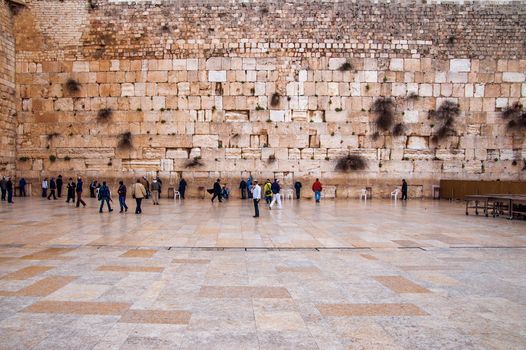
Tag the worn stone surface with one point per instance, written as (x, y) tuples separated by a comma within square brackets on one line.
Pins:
[(201, 79)]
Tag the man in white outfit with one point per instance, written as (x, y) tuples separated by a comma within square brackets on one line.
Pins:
[(276, 197), (256, 196)]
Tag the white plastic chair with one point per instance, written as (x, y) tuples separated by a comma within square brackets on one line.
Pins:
[(363, 194), (177, 195), (395, 193), (289, 194)]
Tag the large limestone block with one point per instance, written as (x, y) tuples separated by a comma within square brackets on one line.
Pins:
[(417, 143), (205, 140), (335, 116), (460, 65), (178, 153), (513, 77)]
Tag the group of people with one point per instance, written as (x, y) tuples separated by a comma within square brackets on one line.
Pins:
[(6, 187)]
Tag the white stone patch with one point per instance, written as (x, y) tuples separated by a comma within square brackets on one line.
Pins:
[(213, 63), (417, 142), (179, 64), (127, 89), (277, 116), (303, 75), (398, 89), (460, 65), (192, 64), (80, 66), (336, 63), (426, 90), (217, 76), (513, 77), (370, 76), (501, 102), (410, 117), (396, 64)]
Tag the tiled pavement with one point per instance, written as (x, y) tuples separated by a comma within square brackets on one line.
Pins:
[(340, 275)]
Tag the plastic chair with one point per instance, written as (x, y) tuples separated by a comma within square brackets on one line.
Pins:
[(177, 195), (363, 194), (395, 193), (289, 194)]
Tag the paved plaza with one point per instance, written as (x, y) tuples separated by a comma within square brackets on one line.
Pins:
[(196, 275)]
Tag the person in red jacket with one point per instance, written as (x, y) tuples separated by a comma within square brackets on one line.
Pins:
[(316, 187)]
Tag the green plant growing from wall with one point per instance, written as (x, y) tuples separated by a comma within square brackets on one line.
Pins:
[(104, 114), (195, 162), (351, 162), (52, 158), (72, 85), (383, 108), (346, 66), (125, 141), (67, 158), (445, 116), (23, 159)]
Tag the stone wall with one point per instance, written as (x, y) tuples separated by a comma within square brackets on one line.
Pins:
[(7, 91), (213, 89)]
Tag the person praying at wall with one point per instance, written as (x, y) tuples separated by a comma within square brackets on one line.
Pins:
[(22, 187), (71, 190), (122, 196), (404, 190), (182, 187), (44, 187), (9, 188), (52, 189)]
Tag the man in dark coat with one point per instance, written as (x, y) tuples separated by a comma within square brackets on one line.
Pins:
[(79, 190), (52, 189), (59, 186), (104, 196), (217, 190), (404, 189), (92, 188), (297, 187), (9, 189), (71, 190), (3, 188), (22, 186), (243, 187), (182, 187)]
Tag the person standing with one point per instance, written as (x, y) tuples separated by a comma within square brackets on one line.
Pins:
[(71, 190), (138, 192), (256, 196), (52, 189), (276, 197), (155, 189), (182, 187), (79, 192), (297, 187), (3, 187), (217, 190), (104, 196), (122, 196), (59, 186), (44, 187), (92, 188), (317, 188), (249, 186), (404, 190), (159, 181), (9, 189), (22, 186), (267, 191), (243, 188)]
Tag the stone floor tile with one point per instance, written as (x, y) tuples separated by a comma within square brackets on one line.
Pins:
[(399, 284), (77, 307), (156, 316), (139, 253), (346, 310), (27, 272)]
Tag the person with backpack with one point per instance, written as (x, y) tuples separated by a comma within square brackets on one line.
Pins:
[(267, 191), (104, 196), (276, 197), (155, 189), (122, 196), (317, 188)]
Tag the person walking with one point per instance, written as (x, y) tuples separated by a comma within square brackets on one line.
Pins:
[(267, 191), (59, 186), (182, 187), (3, 187), (22, 187), (249, 186), (404, 190), (79, 190), (71, 190), (276, 197), (297, 187), (52, 189), (317, 188), (44, 187), (243, 188), (217, 190), (122, 196), (256, 196), (155, 189), (9, 190), (138, 192), (104, 196)]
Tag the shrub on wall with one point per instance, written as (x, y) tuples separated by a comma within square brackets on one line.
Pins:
[(350, 162), (72, 85), (104, 114), (445, 116), (383, 108), (125, 141), (515, 116)]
